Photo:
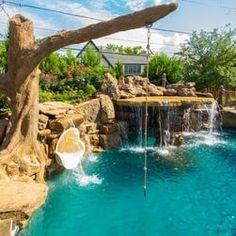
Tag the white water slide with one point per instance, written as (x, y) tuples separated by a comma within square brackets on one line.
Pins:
[(70, 149)]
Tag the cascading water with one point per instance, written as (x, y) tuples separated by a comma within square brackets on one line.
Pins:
[(134, 115), (166, 132), (84, 179), (213, 114), (160, 126), (165, 116), (210, 124), (164, 124), (186, 121), (170, 124)]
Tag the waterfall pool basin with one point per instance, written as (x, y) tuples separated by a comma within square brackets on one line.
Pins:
[(191, 191)]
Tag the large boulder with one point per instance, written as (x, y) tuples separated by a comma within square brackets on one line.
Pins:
[(182, 89), (90, 110), (154, 90), (19, 200), (43, 121), (206, 95), (54, 108), (108, 128), (26, 166), (61, 124), (170, 92), (107, 110), (186, 92), (138, 80), (110, 140), (126, 95), (110, 87), (29, 165), (176, 86), (98, 110), (139, 91)]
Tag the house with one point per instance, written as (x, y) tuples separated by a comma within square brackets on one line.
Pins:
[(132, 64)]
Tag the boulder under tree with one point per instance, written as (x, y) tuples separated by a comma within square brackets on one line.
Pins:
[(20, 148)]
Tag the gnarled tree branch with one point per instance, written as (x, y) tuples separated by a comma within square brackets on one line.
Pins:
[(127, 22)]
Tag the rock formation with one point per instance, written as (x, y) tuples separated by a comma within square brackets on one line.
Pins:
[(95, 119), (20, 199), (137, 86)]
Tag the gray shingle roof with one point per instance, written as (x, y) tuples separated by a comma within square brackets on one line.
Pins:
[(113, 58)]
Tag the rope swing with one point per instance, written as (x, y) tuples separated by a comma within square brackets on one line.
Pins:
[(148, 26)]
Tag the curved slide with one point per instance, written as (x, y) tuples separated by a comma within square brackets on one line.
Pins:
[(70, 149)]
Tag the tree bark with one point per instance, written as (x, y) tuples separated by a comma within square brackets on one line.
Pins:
[(20, 147)]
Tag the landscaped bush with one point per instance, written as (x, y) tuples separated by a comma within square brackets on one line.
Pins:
[(160, 64), (74, 84)]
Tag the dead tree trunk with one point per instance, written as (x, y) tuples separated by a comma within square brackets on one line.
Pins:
[(21, 154)]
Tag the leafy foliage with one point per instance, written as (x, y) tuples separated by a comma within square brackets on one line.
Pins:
[(4, 45), (210, 58), (76, 85), (118, 69), (91, 58), (56, 63), (160, 64), (64, 79), (137, 50)]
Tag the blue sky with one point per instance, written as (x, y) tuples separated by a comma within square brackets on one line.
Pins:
[(190, 15)]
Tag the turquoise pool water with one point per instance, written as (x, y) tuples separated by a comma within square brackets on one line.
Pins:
[(191, 191)]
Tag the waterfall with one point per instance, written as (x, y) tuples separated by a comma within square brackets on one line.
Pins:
[(160, 126), (186, 120), (213, 115), (166, 132), (210, 118), (164, 123)]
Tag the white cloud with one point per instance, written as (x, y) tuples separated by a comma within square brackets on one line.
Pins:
[(135, 5), (37, 20), (158, 2), (137, 37), (79, 9)]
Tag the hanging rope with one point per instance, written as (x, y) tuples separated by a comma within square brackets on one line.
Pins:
[(146, 110)]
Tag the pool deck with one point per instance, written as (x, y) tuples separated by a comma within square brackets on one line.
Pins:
[(164, 100)]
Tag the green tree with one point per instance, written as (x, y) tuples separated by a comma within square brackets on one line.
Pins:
[(56, 63), (119, 71), (51, 64), (160, 64), (71, 58), (210, 58), (91, 58), (136, 50)]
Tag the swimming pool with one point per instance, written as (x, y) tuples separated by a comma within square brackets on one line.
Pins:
[(191, 191)]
